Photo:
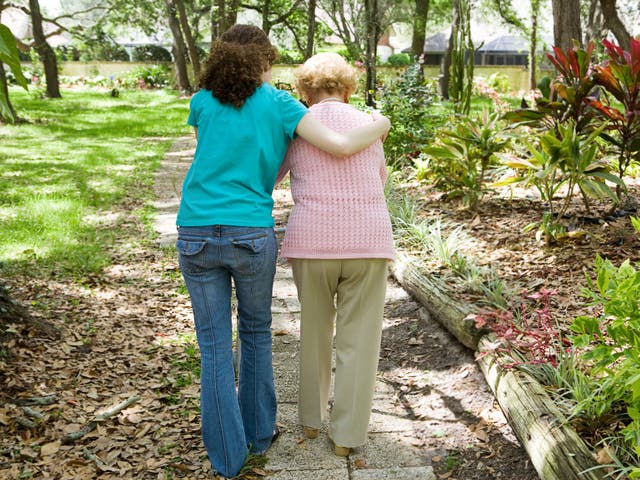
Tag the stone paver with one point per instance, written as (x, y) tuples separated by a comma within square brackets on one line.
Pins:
[(389, 453)]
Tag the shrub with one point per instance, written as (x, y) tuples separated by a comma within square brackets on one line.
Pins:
[(150, 53), (110, 52), (153, 76), (609, 350), (67, 52), (460, 160), (289, 57), (399, 59), (406, 103)]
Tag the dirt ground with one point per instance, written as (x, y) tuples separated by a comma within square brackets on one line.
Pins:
[(496, 239)]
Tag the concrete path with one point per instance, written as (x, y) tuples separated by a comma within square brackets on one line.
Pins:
[(388, 454)]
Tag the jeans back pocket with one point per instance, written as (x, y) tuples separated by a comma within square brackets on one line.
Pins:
[(191, 255), (250, 252)]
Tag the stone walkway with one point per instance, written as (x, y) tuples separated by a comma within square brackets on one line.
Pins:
[(387, 455), (448, 411)]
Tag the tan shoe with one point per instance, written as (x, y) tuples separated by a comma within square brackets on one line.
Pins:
[(310, 432), (341, 451)]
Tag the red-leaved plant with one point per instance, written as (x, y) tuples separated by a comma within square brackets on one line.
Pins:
[(523, 337), (619, 76)]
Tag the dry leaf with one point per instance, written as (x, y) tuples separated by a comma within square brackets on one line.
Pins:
[(50, 448), (604, 455)]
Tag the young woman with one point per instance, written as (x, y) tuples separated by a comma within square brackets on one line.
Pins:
[(225, 231), (338, 241)]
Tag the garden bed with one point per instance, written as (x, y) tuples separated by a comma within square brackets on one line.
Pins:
[(493, 237)]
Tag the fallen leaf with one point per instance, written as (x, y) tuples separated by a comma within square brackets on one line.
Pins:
[(604, 455), (50, 448)]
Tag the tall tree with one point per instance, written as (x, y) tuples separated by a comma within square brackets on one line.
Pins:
[(311, 28), (508, 14), (372, 35), (614, 24), (188, 37), (594, 28), (224, 14), (533, 43), (347, 20), (566, 23), (419, 27), (273, 12), (179, 49), (462, 53), (47, 55)]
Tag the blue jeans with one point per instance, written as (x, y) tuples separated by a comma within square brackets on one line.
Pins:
[(232, 422)]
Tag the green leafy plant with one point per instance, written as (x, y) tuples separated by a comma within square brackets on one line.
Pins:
[(152, 76), (563, 160), (619, 75), (398, 59), (406, 102), (463, 154), (9, 56), (610, 344), (150, 53)]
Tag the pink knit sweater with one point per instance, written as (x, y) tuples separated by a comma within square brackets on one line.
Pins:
[(340, 210)]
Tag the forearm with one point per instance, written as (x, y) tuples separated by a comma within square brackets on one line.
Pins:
[(341, 144)]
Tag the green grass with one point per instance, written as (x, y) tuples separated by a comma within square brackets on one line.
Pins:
[(71, 168)]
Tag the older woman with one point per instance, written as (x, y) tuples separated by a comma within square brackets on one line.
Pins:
[(338, 241)]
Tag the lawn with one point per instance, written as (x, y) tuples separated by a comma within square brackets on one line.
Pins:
[(69, 163)]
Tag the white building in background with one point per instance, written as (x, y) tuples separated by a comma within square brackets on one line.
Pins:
[(20, 25)]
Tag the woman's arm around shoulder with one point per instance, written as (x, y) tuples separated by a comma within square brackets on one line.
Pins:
[(342, 144)]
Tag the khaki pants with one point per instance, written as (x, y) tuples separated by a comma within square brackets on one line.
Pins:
[(351, 291)]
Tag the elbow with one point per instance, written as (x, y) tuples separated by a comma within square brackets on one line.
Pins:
[(343, 149)]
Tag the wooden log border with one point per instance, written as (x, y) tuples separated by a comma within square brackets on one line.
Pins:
[(556, 451)]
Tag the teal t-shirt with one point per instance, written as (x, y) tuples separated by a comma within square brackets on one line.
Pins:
[(237, 157)]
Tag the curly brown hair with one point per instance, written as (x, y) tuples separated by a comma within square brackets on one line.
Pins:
[(236, 64)]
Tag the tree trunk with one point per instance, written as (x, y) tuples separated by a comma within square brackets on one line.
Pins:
[(557, 452), (179, 50), (47, 55), (8, 114), (266, 10), (455, 316), (311, 29), (595, 23), (533, 44), (614, 24), (371, 15), (566, 23), (419, 27), (217, 14), (445, 68), (223, 17), (191, 44)]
